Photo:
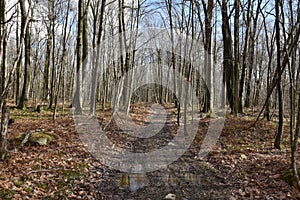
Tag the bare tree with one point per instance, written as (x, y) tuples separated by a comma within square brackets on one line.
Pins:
[(278, 136), (97, 54), (77, 99), (5, 92), (3, 44), (27, 49), (227, 54)]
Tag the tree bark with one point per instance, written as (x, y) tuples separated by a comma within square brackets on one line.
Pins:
[(227, 54), (77, 96), (278, 137), (3, 131), (3, 43), (294, 147), (47, 65), (235, 76), (27, 49), (95, 65), (18, 69), (209, 70)]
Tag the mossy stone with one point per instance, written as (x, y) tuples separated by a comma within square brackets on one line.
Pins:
[(41, 138)]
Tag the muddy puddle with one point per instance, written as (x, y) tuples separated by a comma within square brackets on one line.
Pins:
[(134, 182), (195, 180)]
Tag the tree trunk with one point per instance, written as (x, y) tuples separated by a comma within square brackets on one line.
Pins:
[(18, 69), (62, 63), (53, 72), (294, 147), (3, 131), (77, 96), (245, 56), (227, 54), (85, 36), (209, 70), (47, 65), (252, 35), (95, 65), (3, 43), (278, 137), (27, 63), (235, 80)]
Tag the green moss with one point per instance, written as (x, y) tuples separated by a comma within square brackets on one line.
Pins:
[(41, 138)]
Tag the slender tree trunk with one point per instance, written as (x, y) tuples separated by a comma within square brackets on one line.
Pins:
[(270, 51), (95, 65), (208, 60), (235, 80), (47, 66), (85, 35), (18, 69), (294, 147), (62, 63), (251, 55), (245, 63), (294, 131), (245, 55), (53, 60), (3, 43), (3, 131), (227, 54), (278, 137), (24, 96), (77, 97)]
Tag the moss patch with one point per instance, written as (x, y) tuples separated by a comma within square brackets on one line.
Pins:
[(40, 138)]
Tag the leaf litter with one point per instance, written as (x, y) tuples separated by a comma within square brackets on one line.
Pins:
[(243, 165)]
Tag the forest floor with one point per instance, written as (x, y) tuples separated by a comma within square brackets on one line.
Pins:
[(243, 164)]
